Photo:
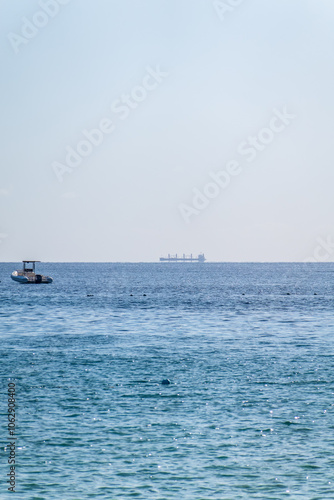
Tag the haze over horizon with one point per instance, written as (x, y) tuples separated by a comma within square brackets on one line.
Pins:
[(133, 130)]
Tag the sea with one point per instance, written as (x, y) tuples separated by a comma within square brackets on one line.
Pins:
[(168, 381)]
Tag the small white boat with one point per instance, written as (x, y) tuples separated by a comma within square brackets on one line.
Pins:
[(28, 275)]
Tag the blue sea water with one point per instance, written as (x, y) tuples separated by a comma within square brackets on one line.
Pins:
[(249, 352)]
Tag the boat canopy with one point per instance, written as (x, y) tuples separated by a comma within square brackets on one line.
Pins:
[(27, 268)]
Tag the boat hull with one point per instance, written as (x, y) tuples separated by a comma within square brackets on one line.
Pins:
[(33, 279), (19, 278)]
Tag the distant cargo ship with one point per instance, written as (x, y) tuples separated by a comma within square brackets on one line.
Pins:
[(183, 258)]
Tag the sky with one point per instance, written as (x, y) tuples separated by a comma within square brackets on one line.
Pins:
[(133, 129)]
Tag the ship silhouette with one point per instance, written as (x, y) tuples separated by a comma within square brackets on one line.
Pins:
[(183, 258)]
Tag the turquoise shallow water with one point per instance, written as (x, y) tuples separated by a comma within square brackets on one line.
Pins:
[(249, 412)]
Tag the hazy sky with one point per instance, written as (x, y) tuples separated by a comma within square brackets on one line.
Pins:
[(135, 128)]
